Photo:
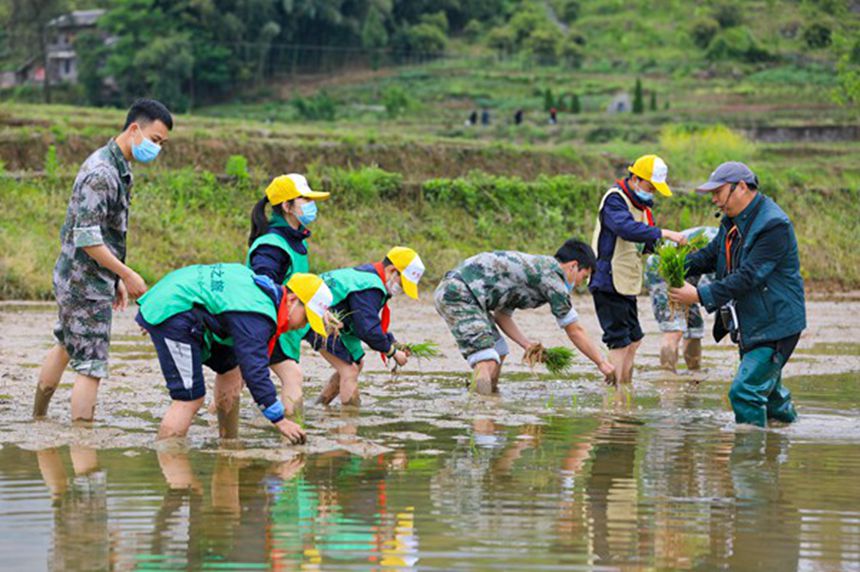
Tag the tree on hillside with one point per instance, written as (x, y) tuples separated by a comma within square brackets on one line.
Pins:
[(374, 36), (638, 101), (28, 22)]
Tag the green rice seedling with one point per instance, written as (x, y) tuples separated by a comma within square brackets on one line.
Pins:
[(671, 259), (334, 322), (698, 242), (558, 360), (421, 350)]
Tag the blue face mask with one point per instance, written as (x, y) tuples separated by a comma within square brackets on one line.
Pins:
[(309, 213), (146, 152), (644, 197)]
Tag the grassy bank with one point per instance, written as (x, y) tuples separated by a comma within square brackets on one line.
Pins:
[(181, 217)]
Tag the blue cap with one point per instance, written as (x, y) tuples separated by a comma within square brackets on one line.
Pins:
[(730, 172)]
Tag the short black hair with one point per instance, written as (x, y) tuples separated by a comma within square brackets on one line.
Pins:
[(574, 249), (146, 111)]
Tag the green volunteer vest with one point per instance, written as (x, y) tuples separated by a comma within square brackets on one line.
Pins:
[(299, 261), (290, 342), (217, 288), (345, 281)]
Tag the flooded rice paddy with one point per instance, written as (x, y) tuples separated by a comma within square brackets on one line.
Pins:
[(554, 474)]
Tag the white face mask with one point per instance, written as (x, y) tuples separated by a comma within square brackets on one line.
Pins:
[(393, 286)]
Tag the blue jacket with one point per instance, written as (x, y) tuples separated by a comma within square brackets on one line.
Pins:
[(616, 221), (765, 281), (361, 309)]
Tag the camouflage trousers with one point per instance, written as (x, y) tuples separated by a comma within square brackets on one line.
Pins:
[(473, 328), (83, 329), (691, 323)]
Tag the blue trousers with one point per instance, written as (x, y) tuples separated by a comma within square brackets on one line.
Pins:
[(757, 393)]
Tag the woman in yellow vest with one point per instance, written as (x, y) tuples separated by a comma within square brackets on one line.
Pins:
[(623, 232)]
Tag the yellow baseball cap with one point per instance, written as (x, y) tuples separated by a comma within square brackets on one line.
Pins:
[(315, 295), (411, 269), (654, 170), (288, 187)]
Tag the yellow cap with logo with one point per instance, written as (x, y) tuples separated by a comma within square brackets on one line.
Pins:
[(288, 187), (654, 170), (315, 295), (411, 269)]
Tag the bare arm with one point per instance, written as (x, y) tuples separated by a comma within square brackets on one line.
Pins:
[(589, 349), (102, 254), (511, 329)]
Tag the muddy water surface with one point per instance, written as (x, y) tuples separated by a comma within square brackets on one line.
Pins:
[(553, 474)]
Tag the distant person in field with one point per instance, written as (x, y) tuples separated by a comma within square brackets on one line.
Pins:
[(485, 117), (553, 116), (479, 297), (229, 319), (682, 324), (518, 117), (758, 291), (91, 278), (360, 298), (473, 118), (623, 232), (278, 248)]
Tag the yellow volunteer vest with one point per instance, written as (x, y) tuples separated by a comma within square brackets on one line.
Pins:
[(627, 258)]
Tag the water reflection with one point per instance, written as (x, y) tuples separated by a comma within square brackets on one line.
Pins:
[(624, 487), (81, 537)]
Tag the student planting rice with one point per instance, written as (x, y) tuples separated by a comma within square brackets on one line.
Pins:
[(229, 319), (360, 300), (624, 230), (279, 249), (479, 297), (686, 323)]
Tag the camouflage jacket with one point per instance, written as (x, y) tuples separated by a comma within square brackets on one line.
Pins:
[(97, 214), (509, 280)]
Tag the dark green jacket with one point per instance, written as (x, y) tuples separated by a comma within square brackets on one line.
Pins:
[(765, 282)]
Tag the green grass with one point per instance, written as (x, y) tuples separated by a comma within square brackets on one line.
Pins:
[(401, 183)]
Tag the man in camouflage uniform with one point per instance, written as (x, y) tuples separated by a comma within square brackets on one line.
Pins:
[(91, 278), (479, 297), (676, 326)]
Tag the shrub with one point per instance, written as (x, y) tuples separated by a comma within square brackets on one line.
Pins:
[(570, 11), (703, 31), (737, 43), (572, 54), (689, 148), (502, 39), (427, 39), (396, 101), (365, 185), (728, 14), (315, 108), (817, 35), (436, 19), (237, 167), (52, 164), (543, 43)]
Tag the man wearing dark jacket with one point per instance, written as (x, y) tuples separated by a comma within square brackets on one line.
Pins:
[(758, 291)]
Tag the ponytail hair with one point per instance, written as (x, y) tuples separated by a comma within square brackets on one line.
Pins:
[(259, 220)]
